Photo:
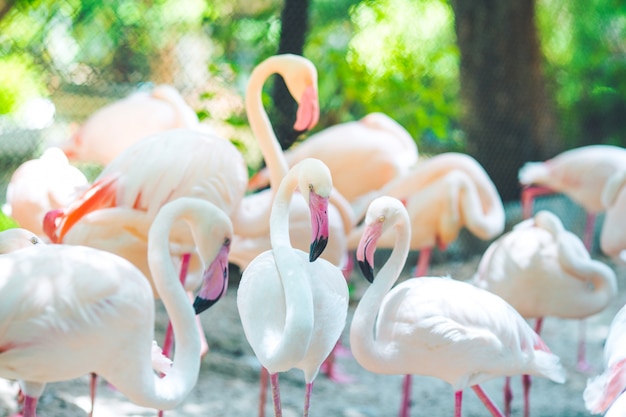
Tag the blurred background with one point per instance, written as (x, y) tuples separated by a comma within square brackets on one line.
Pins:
[(506, 82)]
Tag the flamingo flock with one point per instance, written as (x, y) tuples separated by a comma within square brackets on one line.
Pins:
[(173, 206)]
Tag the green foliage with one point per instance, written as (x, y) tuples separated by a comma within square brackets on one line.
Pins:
[(583, 41), (7, 222)]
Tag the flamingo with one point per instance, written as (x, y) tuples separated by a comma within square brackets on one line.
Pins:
[(40, 185), (437, 326), (308, 296), (541, 269), (580, 174), (17, 238), (613, 235), (116, 126), (602, 391), (443, 194), (92, 311), (388, 148)]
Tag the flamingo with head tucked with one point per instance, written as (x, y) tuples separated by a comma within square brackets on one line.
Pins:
[(57, 322), (437, 326), (308, 296), (542, 270)]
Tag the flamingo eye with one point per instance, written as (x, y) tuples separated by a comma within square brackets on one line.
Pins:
[(34, 240), (226, 242), (311, 188), (381, 219)]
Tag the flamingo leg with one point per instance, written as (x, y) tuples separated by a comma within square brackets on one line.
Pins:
[(307, 398), (405, 405), (30, 406), (508, 396), (262, 394), (458, 399), (484, 398), (423, 262), (526, 383), (582, 365), (278, 412), (92, 391)]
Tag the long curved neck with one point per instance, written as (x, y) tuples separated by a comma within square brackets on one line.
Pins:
[(363, 343), (252, 221), (292, 273), (483, 224), (167, 392)]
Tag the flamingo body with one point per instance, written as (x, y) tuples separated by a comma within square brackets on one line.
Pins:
[(40, 185), (541, 269), (116, 126), (579, 173), (362, 155)]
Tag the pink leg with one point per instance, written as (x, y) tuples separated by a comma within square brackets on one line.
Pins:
[(30, 406), (508, 396), (405, 405), (307, 398), (482, 395), (332, 370), (529, 193), (458, 399), (538, 325), (93, 383), (582, 365), (263, 392), (278, 412), (526, 383), (423, 262)]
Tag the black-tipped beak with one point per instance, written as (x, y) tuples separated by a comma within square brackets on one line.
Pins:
[(200, 304), (367, 270), (317, 247)]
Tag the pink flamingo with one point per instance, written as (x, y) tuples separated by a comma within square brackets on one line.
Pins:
[(436, 326), (17, 238), (541, 269), (443, 194), (116, 126), (80, 325), (581, 175), (309, 296), (605, 391), (388, 148), (40, 185)]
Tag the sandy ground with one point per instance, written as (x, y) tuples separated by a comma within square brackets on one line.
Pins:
[(228, 382)]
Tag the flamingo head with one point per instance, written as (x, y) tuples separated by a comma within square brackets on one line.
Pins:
[(214, 280), (50, 224), (300, 76), (315, 183), (382, 213)]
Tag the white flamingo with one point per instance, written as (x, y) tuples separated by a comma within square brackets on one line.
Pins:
[(71, 310), (437, 326), (308, 296)]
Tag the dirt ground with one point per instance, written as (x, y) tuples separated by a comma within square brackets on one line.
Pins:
[(228, 382)]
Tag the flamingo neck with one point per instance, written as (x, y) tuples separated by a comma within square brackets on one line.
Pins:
[(363, 338), (168, 391), (260, 123)]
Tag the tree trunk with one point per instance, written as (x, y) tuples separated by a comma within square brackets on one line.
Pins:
[(507, 114), (294, 26)]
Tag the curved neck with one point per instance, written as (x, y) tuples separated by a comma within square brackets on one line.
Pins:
[(484, 225), (168, 391), (252, 221), (363, 343)]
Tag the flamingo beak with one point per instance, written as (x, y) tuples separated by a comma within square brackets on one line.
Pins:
[(50, 224), (214, 282), (308, 113), (366, 249), (318, 206)]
